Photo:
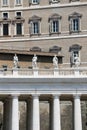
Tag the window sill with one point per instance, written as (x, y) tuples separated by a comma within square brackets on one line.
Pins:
[(5, 5), (18, 35), (38, 34), (5, 36), (32, 4), (18, 5), (54, 33), (74, 32)]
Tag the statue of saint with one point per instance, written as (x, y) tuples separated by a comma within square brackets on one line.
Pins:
[(34, 61), (55, 61), (77, 61), (15, 61)]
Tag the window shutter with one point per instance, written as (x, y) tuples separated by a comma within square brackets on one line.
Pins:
[(50, 27), (31, 28), (71, 26)]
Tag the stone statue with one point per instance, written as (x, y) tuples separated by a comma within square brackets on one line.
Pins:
[(55, 61), (34, 61), (15, 61), (77, 61)]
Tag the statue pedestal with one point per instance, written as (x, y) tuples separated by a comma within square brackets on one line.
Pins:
[(76, 72), (15, 71), (35, 72), (56, 71)]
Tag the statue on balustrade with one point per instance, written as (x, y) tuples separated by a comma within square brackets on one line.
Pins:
[(15, 61), (77, 61), (34, 61), (55, 61)]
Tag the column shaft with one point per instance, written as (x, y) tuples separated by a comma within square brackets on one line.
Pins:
[(15, 116), (29, 114), (77, 113), (36, 113), (56, 113)]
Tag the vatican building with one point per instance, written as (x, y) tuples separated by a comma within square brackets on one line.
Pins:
[(43, 64)]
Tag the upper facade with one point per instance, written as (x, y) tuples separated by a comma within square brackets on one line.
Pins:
[(53, 26), (25, 3)]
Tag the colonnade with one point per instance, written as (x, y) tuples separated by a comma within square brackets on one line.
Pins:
[(11, 113)]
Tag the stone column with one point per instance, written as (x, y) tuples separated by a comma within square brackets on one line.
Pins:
[(7, 115), (51, 114), (36, 113), (29, 114), (77, 113), (15, 115), (56, 113)]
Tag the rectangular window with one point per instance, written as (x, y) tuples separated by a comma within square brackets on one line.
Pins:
[(75, 54), (18, 14), (4, 2), (54, 26), (18, 2), (75, 26), (19, 28), (5, 29), (5, 15), (35, 27), (34, 1)]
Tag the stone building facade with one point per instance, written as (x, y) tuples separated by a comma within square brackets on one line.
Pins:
[(45, 28)]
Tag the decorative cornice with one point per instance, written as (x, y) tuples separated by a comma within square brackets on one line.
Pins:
[(42, 38), (45, 7)]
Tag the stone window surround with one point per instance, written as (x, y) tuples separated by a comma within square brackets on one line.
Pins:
[(31, 2), (35, 19), (54, 17), (5, 4), (15, 3), (74, 48), (74, 15), (54, 1)]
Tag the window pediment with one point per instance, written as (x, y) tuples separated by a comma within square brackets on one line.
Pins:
[(18, 19), (34, 18), (75, 47), (35, 49), (54, 16), (5, 20), (55, 49), (74, 15)]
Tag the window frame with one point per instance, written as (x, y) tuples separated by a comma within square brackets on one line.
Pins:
[(32, 28), (5, 5), (34, 19), (31, 2), (18, 4), (54, 18), (54, 1), (72, 17)]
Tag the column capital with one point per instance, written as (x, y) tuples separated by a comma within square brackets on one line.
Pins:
[(14, 95), (77, 96), (35, 95), (56, 95)]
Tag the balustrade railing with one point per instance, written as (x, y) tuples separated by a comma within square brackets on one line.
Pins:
[(43, 72)]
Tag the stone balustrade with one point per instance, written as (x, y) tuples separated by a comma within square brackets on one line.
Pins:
[(45, 72)]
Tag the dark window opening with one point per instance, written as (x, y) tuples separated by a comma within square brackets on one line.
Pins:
[(19, 28), (5, 29)]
